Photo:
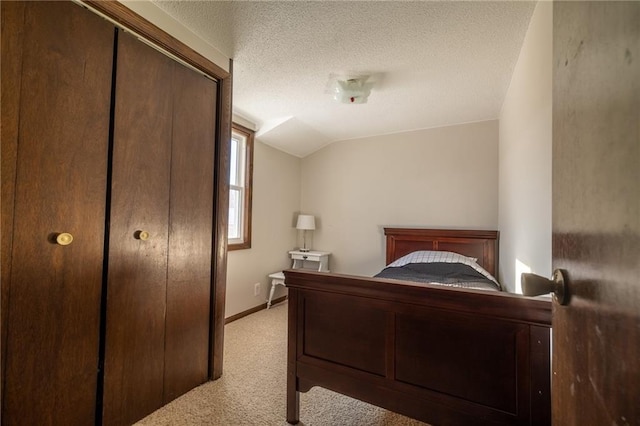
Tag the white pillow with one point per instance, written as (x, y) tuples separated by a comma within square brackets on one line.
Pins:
[(426, 256)]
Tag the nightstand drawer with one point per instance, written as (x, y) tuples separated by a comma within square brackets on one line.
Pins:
[(309, 257), (302, 259)]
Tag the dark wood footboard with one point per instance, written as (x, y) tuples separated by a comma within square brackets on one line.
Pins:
[(439, 355)]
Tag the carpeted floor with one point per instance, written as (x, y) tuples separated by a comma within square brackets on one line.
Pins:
[(252, 388)]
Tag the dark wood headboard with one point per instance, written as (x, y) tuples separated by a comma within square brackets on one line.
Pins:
[(483, 245)]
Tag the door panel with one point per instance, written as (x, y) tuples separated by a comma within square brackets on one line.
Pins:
[(137, 271), (12, 15), (596, 212), (61, 145), (191, 232)]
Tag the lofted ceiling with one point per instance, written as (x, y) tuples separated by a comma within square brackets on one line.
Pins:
[(430, 63)]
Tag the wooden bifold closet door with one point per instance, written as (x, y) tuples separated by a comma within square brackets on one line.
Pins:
[(112, 142), (56, 91), (158, 292)]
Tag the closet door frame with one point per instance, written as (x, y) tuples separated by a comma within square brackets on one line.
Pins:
[(131, 21)]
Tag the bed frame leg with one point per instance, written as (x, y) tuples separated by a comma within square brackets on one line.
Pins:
[(293, 396), (293, 406)]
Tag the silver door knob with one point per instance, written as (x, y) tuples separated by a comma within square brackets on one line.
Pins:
[(535, 285)]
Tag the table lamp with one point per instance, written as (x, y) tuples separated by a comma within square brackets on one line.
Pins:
[(305, 223)]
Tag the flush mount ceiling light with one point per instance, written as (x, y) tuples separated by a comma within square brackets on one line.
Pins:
[(353, 90)]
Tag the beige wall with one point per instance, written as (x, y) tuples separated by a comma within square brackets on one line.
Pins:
[(276, 201), (525, 156), (442, 177)]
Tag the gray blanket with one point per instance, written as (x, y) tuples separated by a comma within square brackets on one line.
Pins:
[(447, 274)]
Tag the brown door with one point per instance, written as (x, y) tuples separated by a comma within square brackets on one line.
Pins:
[(596, 212), (56, 90), (138, 236), (190, 232), (160, 239)]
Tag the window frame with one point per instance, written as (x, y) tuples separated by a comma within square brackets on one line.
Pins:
[(245, 241)]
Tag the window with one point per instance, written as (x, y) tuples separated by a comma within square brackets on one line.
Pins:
[(240, 179)]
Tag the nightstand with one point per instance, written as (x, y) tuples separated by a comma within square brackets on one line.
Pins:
[(320, 257)]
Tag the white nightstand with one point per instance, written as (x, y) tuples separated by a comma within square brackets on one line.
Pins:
[(320, 257)]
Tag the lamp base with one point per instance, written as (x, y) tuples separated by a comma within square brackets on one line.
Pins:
[(304, 250)]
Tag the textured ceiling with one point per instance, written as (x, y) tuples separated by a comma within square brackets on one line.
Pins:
[(431, 63)]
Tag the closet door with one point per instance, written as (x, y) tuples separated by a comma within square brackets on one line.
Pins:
[(56, 89), (138, 237), (190, 233), (159, 282)]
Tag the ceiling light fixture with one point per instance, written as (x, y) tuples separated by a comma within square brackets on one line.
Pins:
[(352, 90)]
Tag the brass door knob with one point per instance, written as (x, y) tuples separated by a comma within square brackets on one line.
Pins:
[(142, 235), (64, 239), (535, 285)]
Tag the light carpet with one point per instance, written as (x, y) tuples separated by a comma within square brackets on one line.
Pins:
[(252, 388)]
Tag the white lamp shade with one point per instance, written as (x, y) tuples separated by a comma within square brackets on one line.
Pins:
[(306, 222)]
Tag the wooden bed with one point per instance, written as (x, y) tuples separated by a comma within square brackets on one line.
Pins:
[(441, 355)]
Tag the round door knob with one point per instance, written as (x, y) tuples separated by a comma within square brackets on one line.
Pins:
[(535, 285), (142, 235), (64, 239)]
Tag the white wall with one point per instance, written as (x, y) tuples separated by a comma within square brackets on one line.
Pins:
[(168, 24), (276, 201), (525, 156), (442, 177)]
